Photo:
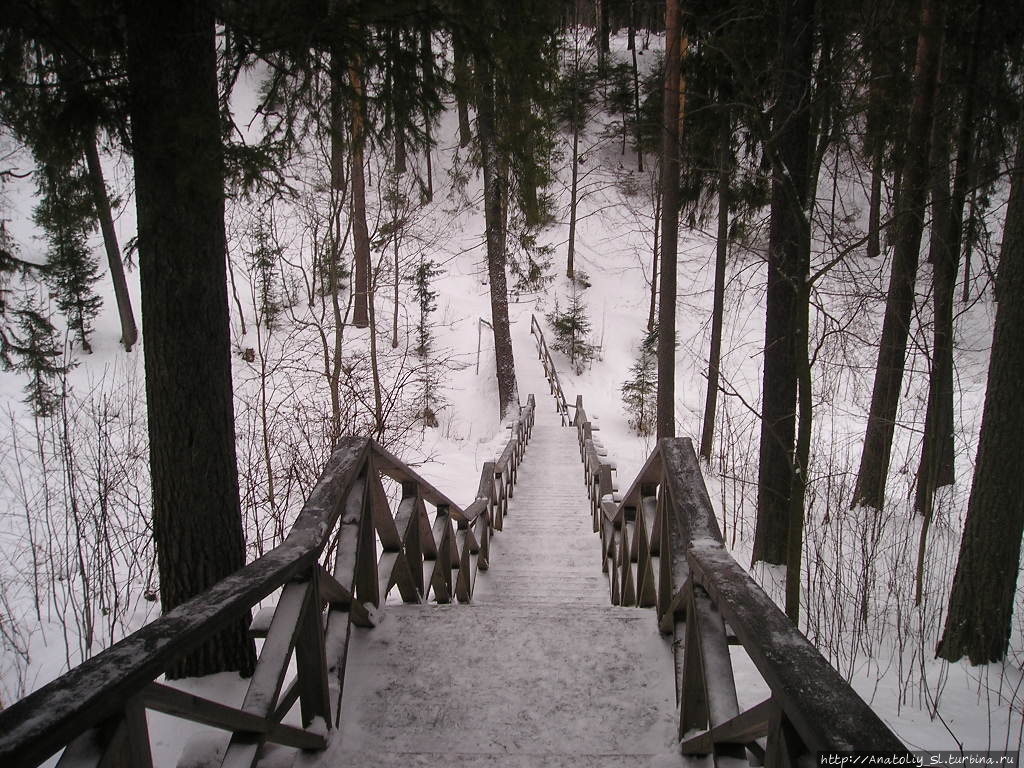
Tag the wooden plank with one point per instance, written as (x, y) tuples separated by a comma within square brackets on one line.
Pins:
[(367, 585), (265, 685), (177, 703), (410, 530), (383, 522), (823, 708), (311, 661), (86, 749), (742, 729), (341, 599), (428, 547), (708, 677)]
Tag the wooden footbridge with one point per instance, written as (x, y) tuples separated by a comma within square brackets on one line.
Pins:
[(551, 622)]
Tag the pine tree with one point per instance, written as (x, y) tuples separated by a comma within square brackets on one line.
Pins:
[(66, 215), (428, 380), (263, 259), (640, 390), (572, 331), (38, 355)]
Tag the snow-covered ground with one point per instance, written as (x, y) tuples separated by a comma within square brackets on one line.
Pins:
[(60, 571)]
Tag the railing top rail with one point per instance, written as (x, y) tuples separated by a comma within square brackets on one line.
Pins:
[(549, 366)]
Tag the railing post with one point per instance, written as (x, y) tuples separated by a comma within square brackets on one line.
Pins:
[(311, 658)]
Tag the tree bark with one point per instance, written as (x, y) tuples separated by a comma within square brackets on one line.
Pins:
[(573, 185), (505, 368), (937, 467), (129, 331), (721, 253), (360, 234), (666, 417), (636, 86), (874, 463), (788, 244), (984, 585), (460, 73), (180, 199)]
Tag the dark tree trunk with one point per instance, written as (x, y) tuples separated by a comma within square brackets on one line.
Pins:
[(574, 183), (937, 466), (666, 415), (651, 316), (337, 126), (180, 199), (785, 318), (460, 73), (129, 331), (636, 84), (508, 394), (874, 463), (721, 253), (427, 66), (360, 234), (984, 585)]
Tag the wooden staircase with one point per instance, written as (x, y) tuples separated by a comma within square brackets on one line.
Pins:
[(540, 662), (539, 670)]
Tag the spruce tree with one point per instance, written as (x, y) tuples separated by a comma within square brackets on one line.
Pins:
[(65, 214), (39, 356), (640, 390), (572, 332)]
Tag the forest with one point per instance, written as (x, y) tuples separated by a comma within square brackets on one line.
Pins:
[(234, 233)]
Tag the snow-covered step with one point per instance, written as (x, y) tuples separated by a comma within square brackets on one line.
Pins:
[(540, 685)]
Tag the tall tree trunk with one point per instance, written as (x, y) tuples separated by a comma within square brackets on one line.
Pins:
[(337, 124), (175, 117), (785, 317), (874, 462), (427, 66), (721, 253), (944, 264), (129, 331), (636, 86), (937, 467), (666, 417), (460, 74), (984, 585), (573, 185), (508, 393), (360, 234), (651, 317)]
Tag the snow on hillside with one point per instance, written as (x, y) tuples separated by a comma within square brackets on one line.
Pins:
[(855, 567)]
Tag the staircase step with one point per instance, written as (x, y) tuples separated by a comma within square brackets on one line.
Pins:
[(529, 683)]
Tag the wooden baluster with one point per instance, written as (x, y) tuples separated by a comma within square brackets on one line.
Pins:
[(704, 706), (784, 746), (367, 582), (120, 742), (647, 595), (412, 545), (311, 659), (265, 686), (628, 579)]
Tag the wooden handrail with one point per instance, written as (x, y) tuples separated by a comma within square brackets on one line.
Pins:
[(662, 547), (550, 372), (97, 709)]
